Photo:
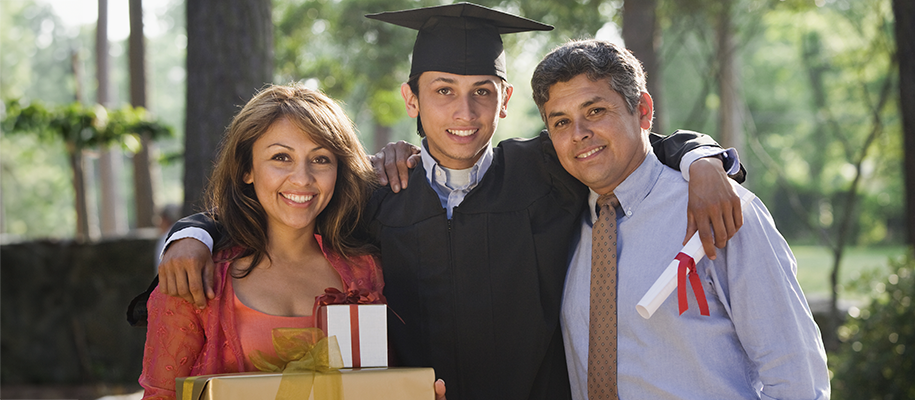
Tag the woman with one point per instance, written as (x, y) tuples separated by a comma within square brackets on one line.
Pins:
[(289, 187)]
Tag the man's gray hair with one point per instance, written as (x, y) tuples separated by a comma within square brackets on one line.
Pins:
[(600, 60)]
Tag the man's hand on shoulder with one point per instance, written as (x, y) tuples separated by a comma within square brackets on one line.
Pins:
[(393, 162), (186, 267), (714, 206)]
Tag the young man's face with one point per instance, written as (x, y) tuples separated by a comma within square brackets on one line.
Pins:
[(459, 114), (596, 138)]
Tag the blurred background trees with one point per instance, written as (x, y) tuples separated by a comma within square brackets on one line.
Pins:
[(817, 95), (51, 62), (799, 86)]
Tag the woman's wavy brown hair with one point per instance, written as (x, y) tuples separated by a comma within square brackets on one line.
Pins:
[(233, 202)]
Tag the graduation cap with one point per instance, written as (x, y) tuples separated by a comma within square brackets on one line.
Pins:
[(461, 38)]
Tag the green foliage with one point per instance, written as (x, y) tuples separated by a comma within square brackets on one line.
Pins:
[(877, 361), (81, 127), (74, 124), (127, 124), (37, 50), (811, 78), (35, 185)]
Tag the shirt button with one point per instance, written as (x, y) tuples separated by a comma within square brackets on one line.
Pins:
[(628, 213)]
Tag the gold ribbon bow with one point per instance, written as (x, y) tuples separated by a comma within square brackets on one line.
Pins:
[(308, 360)]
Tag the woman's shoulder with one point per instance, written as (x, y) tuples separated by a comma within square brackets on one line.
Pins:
[(362, 270), (222, 261), (354, 262)]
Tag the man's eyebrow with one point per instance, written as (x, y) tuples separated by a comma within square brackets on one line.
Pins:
[(585, 104), (555, 114), (591, 102), (443, 79)]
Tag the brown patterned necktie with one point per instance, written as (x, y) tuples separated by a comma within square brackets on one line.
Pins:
[(602, 334)]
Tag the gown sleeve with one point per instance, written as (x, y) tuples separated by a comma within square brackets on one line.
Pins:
[(670, 149), (200, 220)]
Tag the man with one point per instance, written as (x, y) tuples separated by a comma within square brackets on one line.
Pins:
[(475, 251), (758, 339)]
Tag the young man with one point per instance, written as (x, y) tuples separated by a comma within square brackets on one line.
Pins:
[(474, 252), (757, 338)]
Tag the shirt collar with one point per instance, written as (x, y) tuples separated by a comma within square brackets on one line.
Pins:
[(633, 189), (477, 170)]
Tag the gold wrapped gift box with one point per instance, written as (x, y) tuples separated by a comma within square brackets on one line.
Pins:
[(354, 384)]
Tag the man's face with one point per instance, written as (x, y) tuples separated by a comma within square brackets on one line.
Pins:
[(459, 114), (598, 141)]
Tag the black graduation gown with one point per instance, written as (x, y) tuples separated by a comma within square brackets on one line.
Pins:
[(480, 294)]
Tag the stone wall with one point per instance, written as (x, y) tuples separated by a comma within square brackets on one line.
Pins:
[(63, 307)]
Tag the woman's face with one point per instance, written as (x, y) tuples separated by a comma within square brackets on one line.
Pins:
[(293, 177)]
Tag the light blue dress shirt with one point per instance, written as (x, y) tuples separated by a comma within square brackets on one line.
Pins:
[(452, 185), (760, 340)]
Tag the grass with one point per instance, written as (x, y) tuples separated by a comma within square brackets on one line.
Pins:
[(814, 267)]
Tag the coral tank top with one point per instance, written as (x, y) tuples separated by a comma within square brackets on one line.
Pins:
[(255, 330)]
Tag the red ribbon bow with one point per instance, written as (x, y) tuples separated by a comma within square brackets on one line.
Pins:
[(688, 267), (353, 295)]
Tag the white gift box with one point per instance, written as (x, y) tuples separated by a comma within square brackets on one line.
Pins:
[(361, 331)]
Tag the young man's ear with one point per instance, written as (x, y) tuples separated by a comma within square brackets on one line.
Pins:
[(645, 110), (410, 100), (503, 108)]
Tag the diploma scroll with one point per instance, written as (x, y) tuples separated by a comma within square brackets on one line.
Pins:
[(667, 282)]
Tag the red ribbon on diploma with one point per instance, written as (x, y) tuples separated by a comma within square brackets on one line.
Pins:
[(688, 267)]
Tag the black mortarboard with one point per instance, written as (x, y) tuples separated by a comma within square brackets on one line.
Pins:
[(461, 38)]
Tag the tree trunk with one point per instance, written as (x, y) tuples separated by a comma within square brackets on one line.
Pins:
[(843, 233), (904, 11), (111, 207), (229, 57), (101, 54), (76, 162), (382, 137), (729, 117), (817, 67), (79, 192), (142, 176), (643, 38)]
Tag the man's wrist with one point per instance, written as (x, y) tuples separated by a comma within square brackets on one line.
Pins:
[(711, 163), (192, 233)]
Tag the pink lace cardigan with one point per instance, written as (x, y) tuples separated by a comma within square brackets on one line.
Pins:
[(182, 340)]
